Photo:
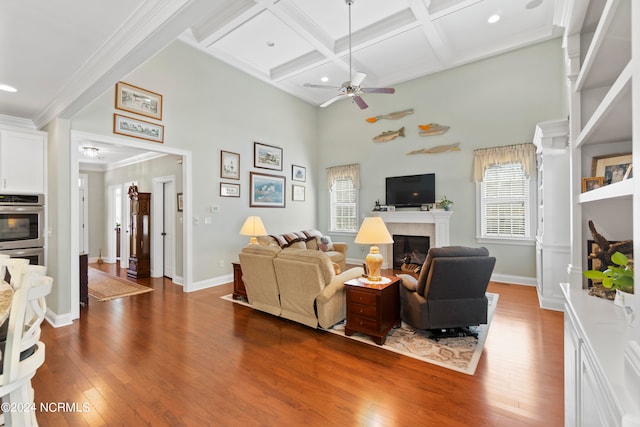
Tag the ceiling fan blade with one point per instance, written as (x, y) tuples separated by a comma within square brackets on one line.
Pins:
[(321, 86), (360, 102), (378, 90), (332, 100), (358, 78)]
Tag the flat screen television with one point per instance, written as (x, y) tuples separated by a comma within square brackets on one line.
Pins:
[(411, 190)]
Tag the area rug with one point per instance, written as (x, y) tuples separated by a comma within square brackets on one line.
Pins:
[(460, 354), (105, 287)]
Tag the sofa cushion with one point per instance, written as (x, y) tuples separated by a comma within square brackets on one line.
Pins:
[(447, 251), (261, 250), (325, 244), (287, 239), (310, 256)]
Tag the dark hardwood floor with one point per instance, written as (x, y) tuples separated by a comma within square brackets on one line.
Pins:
[(168, 358)]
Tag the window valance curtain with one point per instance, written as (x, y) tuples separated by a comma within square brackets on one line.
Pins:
[(345, 171), (524, 154)]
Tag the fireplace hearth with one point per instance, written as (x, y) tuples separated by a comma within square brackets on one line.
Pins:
[(409, 249)]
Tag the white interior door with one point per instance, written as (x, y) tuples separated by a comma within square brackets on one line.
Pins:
[(163, 214), (83, 217), (169, 229)]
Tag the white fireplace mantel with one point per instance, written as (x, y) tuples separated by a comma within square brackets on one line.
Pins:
[(434, 224)]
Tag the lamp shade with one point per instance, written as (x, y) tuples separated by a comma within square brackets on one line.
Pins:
[(253, 227), (373, 232)]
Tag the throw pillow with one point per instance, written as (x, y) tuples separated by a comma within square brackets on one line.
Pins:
[(325, 244)]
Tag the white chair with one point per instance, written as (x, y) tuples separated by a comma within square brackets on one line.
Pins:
[(16, 267), (28, 308)]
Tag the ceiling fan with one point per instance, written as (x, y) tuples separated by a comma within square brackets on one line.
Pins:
[(352, 88)]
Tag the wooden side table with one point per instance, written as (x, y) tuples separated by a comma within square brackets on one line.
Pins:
[(239, 290), (372, 309)]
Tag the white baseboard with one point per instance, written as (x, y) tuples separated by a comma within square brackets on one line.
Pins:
[(209, 283), (516, 280), (58, 320), (178, 280)]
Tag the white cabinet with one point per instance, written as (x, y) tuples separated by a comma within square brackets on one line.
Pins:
[(22, 161), (553, 240), (602, 365)]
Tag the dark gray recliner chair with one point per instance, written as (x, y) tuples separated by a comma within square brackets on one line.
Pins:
[(449, 295)]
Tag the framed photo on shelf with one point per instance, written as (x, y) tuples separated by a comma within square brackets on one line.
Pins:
[(128, 126), (591, 183), (229, 190), (298, 173), (180, 202), (229, 165), (266, 191), (613, 168), (298, 193), (139, 101), (267, 156)]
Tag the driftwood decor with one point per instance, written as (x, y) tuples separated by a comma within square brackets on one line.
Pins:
[(605, 248)]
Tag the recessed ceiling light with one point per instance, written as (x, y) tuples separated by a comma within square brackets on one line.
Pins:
[(8, 88), (324, 79), (493, 19), (533, 4), (271, 43)]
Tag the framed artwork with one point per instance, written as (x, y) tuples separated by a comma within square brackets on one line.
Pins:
[(298, 173), (229, 190), (267, 156), (266, 191), (297, 193), (139, 101), (180, 202), (229, 165), (137, 128), (613, 168), (591, 183)]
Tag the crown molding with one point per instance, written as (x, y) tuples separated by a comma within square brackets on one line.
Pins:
[(17, 122)]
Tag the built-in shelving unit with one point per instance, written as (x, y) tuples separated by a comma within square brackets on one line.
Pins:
[(602, 355)]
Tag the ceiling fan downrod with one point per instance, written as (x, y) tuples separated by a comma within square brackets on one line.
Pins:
[(349, 3)]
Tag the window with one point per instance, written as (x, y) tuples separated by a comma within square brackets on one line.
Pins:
[(343, 182), (505, 202)]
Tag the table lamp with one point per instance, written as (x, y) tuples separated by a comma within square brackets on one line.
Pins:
[(253, 227), (373, 232)]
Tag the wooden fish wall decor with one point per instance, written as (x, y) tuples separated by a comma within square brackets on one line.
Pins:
[(436, 150), (391, 116), (432, 129), (389, 135)]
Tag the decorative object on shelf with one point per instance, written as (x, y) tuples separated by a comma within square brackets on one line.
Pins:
[(613, 168), (267, 156), (391, 116), (604, 249), (180, 202), (298, 173), (266, 191), (298, 193), (618, 275), (351, 89), (436, 150), (374, 232), (137, 128), (432, 129), (389, 135), (445, 203), (139, 101), (229, 165), (253, 227), (376, 207), (229, 190), (591, 183)]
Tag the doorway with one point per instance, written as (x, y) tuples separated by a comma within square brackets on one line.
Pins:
[(163, 241)]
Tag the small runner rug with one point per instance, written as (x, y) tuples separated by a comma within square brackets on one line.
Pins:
[(105, 287), (460, 354)]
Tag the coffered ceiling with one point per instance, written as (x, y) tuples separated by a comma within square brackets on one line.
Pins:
[(62, 54)]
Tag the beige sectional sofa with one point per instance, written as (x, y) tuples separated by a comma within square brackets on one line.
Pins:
[(309, 239), (297, 284)]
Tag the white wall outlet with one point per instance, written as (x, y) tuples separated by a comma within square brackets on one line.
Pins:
[(207, 220)]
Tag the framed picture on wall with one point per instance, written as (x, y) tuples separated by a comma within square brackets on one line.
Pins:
[(139, 101), (229, 165), (266, 191), (298, 173), (229, 190), (267, 156), (129, 126), (298, 193)]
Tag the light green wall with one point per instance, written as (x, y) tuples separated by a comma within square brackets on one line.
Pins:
[(210, 106), (489, 103)]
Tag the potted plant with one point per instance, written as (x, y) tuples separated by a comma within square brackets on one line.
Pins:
[(618, 277), (445, 203)]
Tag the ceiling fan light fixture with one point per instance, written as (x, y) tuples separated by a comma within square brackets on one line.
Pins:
[(324, 79), (91, 152)]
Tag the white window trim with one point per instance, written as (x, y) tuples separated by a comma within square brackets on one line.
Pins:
[(533, 217), (357, 215)]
